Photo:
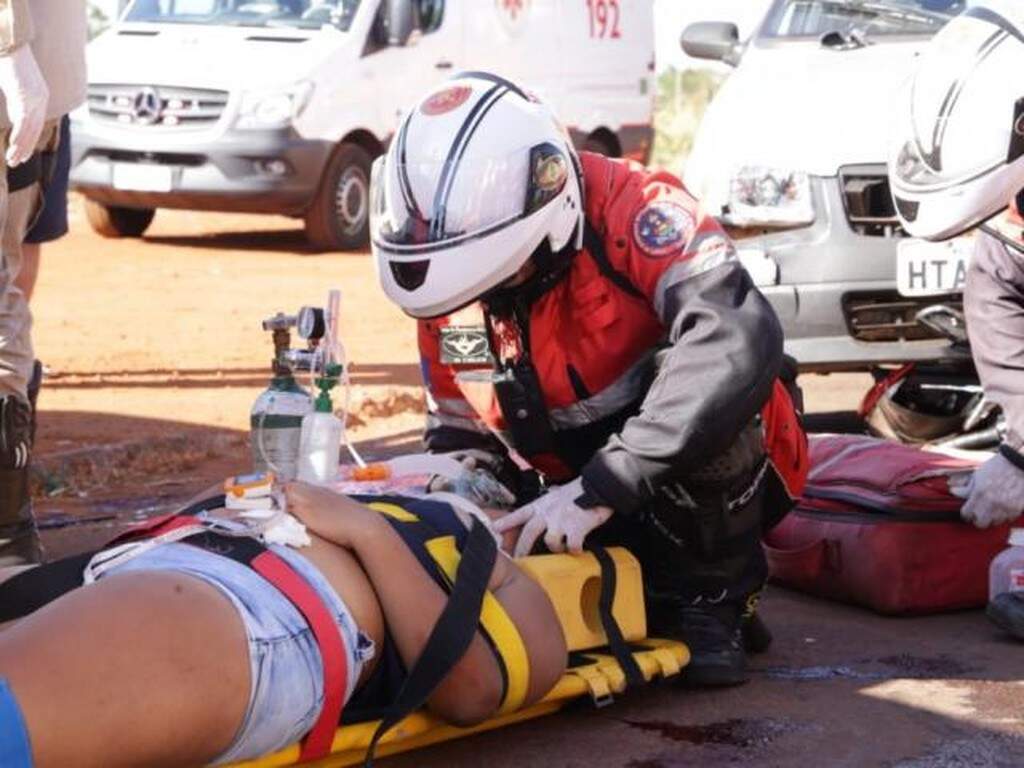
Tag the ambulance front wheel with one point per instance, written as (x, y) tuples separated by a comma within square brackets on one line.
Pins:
[(339, 219), (115, 221)]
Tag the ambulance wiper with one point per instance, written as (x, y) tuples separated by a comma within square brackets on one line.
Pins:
[(914, 15), (229, 22)]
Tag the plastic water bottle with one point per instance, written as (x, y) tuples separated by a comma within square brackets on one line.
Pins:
[(276, 427), (1006, 574), (320, 443)]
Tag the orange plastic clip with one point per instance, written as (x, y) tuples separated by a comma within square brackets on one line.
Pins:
[(371, 472)]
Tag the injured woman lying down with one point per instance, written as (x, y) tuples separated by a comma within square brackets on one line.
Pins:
[(193, 643)]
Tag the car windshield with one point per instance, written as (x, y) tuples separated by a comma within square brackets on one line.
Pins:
[(814, 18), (304, 14)]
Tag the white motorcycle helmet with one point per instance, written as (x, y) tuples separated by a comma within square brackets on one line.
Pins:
[(959, 155), (478, 177)]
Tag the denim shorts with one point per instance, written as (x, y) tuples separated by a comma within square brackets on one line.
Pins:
[(286, 670)]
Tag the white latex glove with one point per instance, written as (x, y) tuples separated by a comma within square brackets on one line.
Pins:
[(27, 95), (995, 493), (555, 514), (475, 482)]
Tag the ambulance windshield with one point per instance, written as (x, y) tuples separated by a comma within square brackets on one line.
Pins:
[(301, 14), (813, 18)]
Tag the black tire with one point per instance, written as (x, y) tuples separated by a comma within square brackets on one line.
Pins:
[(339, 219), (114, 221)]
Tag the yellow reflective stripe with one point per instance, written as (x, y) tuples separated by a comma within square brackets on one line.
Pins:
[(393, 510), (496, 622)]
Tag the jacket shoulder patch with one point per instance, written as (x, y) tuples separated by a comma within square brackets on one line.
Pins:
[(464, 345), (663, 228)]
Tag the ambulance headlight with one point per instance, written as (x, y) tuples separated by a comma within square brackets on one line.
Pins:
[(769, 197), (260, 110)]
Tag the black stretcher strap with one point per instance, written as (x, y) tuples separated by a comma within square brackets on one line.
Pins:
[(616, 643), (30, 590), (452, 634)]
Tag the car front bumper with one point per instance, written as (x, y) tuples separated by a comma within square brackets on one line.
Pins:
[(274, 171)]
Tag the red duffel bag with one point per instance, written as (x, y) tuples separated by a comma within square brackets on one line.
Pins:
[(878, 526)]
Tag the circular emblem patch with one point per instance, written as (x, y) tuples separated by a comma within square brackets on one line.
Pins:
[(663, 228), (446, 100)]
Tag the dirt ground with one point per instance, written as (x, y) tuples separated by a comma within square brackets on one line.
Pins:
[(155, 355)]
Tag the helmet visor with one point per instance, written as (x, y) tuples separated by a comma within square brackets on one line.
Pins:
[(428, 203)]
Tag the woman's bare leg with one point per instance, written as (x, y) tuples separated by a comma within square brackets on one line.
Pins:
[(138, 669)]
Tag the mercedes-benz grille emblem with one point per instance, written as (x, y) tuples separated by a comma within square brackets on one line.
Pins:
[(146, 106)]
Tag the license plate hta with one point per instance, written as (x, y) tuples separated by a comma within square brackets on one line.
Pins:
[(932, 269), (137, 177)]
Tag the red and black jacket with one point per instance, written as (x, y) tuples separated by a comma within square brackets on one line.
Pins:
[(651, 352)]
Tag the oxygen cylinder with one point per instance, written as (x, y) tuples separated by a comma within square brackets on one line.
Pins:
[(276, 426)]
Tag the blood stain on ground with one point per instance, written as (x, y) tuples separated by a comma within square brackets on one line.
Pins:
[(734, 733)]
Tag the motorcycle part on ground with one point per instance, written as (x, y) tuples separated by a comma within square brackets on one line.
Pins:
[(922, 404)]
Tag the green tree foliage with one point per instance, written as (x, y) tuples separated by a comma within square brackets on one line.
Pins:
[(682, 98), (98, 20)]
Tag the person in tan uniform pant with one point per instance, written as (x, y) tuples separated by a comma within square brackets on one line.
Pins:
[(42, 77)]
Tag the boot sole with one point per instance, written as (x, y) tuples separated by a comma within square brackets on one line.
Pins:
[(757, 638), (712, 677)]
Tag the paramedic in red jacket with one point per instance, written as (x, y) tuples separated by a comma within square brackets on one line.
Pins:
[(957, 164), (581, 317)]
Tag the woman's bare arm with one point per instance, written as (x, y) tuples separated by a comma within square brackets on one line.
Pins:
[(411, 603), (530, 609)]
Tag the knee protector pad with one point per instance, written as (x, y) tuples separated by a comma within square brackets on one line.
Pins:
[(15, 750)]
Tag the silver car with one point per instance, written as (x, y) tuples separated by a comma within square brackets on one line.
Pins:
[(791, 156)]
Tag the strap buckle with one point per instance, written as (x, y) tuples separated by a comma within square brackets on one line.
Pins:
[(600, 690), (751, 490)]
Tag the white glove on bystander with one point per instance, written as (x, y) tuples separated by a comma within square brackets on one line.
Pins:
[(26, 94), (995, 493), (556, 515)]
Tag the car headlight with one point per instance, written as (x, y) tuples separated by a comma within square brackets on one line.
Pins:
[(273, 108), (769, 197)]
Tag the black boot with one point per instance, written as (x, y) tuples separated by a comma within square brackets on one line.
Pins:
[(1007, 612), (19, 541), (34, 385), (714, 637)]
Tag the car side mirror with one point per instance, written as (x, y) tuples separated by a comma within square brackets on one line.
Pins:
[(715, 40), (400, 18)]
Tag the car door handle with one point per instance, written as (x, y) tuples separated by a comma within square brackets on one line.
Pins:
[(444, 64)]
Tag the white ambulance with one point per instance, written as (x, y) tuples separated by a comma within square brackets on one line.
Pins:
[(280, 106)]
